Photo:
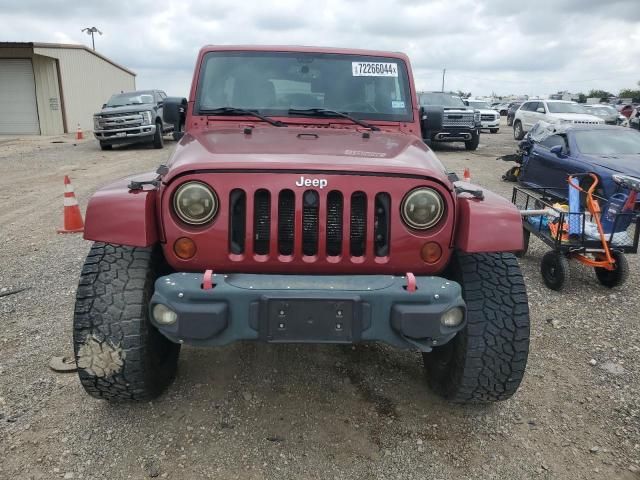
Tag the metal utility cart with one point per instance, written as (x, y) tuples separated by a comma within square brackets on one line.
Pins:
[(595, 238)]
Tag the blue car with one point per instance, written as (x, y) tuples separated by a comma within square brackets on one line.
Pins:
[(552, 152)]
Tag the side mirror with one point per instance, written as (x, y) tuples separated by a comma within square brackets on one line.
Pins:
[(174, 111), (557, 150), (104, 105), (540, 110)]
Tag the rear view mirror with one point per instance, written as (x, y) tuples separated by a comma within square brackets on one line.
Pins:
[(556, 150), (540, 110)]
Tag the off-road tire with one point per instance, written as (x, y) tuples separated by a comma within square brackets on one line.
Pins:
[(554, 268), (105, 146), (120, 355), (485, 362), (473, 143), (158, 138), (617, 277), (494, 130), (518, 131)]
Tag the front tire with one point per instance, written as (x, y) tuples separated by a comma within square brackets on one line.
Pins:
[(494, 130), (120, 355), (485, 362), (473, 143), (618, 276), (105, 146), (158, 138), (518, 131)]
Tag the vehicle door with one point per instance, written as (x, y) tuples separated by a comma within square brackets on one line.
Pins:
[(538, 112), (527, 115), (551, 168)]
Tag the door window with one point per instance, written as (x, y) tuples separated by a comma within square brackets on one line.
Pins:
[(554, 140)]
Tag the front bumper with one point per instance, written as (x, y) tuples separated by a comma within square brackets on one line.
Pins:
[(491, 124), (455, 134), (308, 309), (126, 135)]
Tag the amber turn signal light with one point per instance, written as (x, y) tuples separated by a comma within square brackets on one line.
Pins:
[(184, 248), (430, 252)]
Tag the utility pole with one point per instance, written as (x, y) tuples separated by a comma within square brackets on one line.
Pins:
[(444, 70), (91, 31)]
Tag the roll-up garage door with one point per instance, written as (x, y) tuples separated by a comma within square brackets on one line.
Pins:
[(18, 109)]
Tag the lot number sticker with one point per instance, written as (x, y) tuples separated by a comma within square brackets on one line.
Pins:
[(374, 69)]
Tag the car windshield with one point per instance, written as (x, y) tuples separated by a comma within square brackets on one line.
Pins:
[(288, 83), (619, 141), (599, 111), (440, 99), (565, 107), (132, 98), (483, 105)]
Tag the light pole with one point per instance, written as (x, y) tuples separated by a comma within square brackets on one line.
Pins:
[(444, 70), (91, 31)]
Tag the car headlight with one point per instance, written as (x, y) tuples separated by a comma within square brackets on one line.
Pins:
[(146, 117), (96, 123), (195, 203), (422, 208)]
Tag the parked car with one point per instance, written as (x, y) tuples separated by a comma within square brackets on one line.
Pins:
[(608, 113), (634, 118), (511, 112), (552, 152), (301, 206), (460, 123), (550, 111), (625, 110), (489, 118), (133, 117), (503, 108)]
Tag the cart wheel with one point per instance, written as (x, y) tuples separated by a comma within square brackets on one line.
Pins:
[(555, 270), (614, 278), (526, 235)]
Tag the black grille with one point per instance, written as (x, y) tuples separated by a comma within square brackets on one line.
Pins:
[(335, 206), (261, 222), (358, 224), (382, 224), (286, 222), (237, 218), (310, 206), (487, 117)]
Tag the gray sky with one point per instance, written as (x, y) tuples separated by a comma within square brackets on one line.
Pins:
[(502, 46)]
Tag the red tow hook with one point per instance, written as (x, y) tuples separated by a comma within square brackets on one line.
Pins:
[(207, 280), (411, 282)]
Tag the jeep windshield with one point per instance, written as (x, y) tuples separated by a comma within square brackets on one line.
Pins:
[(133, 98), (284, 84), (440, 99)]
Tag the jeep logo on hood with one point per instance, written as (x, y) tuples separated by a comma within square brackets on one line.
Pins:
[(312, 182)]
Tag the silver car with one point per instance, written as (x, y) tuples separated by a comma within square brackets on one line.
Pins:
[(608, 113)]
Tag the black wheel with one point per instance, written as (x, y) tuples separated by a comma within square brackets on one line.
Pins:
[(526, 236), (120, 355), (105, 146), (473, 143), (178, 132), (555, 270), (158, 138), (617, 277), (518, 132), (494, 130), (486, 361)]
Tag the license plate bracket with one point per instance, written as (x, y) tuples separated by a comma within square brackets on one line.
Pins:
[(308, 320)]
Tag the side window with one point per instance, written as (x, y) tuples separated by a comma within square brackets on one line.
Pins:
[(541, 105), (529, 106), (162, 95), (554, 140)]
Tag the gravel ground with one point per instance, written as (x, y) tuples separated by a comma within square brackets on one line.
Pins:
[(282, 411)]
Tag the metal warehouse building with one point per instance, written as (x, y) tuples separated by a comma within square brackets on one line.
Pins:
[(50, 89)]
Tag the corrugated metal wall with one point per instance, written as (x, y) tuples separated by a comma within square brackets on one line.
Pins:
[(48, 95), (87, 82)]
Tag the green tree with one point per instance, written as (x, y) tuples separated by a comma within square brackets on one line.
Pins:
[(629, 93), (582, 98), (601, 94)]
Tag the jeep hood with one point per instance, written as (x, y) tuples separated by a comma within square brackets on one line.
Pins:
[(301, 148)]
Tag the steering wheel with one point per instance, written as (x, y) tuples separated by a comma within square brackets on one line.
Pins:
[(357, 107)]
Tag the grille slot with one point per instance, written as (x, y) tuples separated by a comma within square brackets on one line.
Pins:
[(286, 222), (382, 224), (358, 224), (487, 117), (261, 221), (237, 219), (310, 207), (335, 206)]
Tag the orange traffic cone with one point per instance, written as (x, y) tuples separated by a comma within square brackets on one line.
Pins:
[(72, 217), (79, 134), (467, 174)]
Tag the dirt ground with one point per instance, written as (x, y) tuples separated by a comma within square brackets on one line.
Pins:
[(254, 411)]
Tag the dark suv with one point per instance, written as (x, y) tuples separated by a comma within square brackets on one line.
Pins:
[(457, 122), (133, 117)]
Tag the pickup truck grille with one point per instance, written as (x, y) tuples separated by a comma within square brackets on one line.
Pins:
[(309, 224), (458, 120), (115, 121), (488, 117)]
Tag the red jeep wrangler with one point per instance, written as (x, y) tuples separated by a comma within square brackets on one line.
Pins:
[(301, 206)]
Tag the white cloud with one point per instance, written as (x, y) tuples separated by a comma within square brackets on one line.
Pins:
[(487, 46)]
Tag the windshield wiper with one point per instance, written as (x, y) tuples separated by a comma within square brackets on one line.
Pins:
[(241, 111), (323, 112)]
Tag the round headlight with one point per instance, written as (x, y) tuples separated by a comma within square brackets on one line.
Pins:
[(195, 203), (422, 208)]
